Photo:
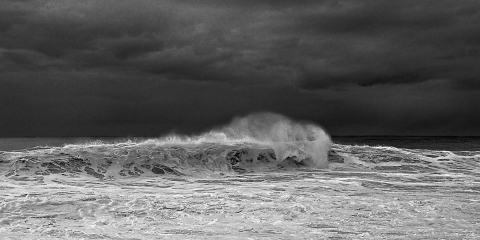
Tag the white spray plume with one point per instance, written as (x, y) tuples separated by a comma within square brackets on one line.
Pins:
[(306, 142)]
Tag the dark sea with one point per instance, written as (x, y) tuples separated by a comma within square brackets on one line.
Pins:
[(449, 143), (9, 144)]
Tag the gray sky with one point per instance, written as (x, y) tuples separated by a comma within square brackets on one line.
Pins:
[(149, 67)]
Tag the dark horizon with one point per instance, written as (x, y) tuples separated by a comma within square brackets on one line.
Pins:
[(196, 134), (148, 68)]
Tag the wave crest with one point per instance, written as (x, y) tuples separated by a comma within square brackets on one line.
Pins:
[(304, 142)]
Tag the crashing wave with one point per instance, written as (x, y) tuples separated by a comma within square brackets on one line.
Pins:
[(257, 142)]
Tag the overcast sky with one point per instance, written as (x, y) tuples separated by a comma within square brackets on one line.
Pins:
[(149, 67)]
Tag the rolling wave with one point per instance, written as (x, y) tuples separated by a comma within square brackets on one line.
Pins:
[(391, 159), (255, 143)]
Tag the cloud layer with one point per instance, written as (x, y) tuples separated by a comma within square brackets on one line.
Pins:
[(146, 67)]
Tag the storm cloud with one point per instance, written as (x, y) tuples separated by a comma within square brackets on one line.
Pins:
[(148, 67)]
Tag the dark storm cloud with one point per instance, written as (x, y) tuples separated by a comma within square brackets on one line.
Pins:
[(314, 44), (390, 42), (147, 66)]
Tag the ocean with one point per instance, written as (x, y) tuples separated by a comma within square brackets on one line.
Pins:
[(447, 143), (261, 177)]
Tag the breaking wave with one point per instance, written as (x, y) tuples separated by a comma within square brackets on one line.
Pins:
[(257, 142), (306, 143)]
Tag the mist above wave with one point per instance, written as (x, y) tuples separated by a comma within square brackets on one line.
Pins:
[(289, 139)]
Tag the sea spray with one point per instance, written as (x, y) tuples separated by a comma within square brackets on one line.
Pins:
[(304, 142), (289, 139)]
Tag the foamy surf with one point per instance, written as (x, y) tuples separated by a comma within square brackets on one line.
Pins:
[(262, 176), (401, 160)]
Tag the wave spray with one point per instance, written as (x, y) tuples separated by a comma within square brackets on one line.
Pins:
[(304, 142)]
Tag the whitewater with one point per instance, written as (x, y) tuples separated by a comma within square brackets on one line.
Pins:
[(262, 176)]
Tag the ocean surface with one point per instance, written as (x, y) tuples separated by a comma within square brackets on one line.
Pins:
[(447, 143), (261, 177), (9, 144)]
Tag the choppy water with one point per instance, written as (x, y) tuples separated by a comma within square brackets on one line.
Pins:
[(15, 144), (447, 143), (452, 143), (147, 191)]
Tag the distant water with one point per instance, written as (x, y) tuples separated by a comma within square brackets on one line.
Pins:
[(9, 144), (450, 143), (432, 143)]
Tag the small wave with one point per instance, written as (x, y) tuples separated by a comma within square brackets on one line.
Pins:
[(392, 159)]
